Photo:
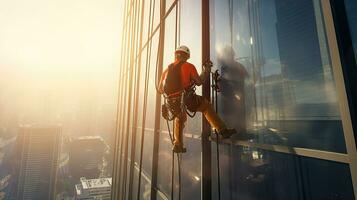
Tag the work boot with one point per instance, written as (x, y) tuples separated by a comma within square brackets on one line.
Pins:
[(178, 149), (227, 132)]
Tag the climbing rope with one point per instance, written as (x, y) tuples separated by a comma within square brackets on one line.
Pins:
[(172, 174), (179, 157), (173, 165)]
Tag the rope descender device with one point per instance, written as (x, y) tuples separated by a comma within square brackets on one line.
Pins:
[(216, 78)]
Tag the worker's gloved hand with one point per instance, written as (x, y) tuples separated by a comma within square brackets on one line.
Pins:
[(207, 66)]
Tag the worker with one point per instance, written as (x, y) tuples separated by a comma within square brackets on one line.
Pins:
[(177, 83)]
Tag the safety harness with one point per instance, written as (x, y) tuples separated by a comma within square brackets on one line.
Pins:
[(175, 96)]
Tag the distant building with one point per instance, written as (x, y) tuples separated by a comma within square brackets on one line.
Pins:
[(63, 169), (37, 153), (92, 189), (298, 40), (86, 156)]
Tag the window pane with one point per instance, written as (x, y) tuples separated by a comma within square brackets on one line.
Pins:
[(348, 63), (165, 146), (152, 78), (156, 10), (351, 7), (250, 173), (277, 82), (190, 19), (145, 190), (190, 166), (141, 86), (169, 4), (147, 20), (149, 112), (190, 35), (147, 128)]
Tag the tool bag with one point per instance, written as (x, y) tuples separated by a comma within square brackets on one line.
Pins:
[(173, 107)]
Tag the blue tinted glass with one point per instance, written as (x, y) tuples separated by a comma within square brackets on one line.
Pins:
[(351, 7), (277, 81), (249, 173)]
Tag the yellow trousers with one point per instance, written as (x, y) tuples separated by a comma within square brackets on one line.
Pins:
[(200, 104)]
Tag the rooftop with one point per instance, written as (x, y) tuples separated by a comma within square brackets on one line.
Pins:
[(87, 137), (96, 183)]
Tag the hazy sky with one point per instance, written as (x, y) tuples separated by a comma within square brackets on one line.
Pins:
[(66, 49), (59, 35)]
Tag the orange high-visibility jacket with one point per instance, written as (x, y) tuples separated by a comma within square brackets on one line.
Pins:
[(188, 71)]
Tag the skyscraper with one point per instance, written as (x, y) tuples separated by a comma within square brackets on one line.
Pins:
[(93, 189), (37, 152), (298, 39), (305, 60), (86, 156)]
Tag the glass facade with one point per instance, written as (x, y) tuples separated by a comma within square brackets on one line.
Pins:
[(252, 173), (350, 7), (277, 80), (349, 23), (281, 86)]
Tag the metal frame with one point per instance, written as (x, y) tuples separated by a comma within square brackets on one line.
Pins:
[(206, 155), (341, 89)]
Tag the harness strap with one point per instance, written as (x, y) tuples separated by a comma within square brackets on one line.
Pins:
[(168, 107), (175, 94)]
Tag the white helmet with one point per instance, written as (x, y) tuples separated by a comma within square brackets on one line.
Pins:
[(184, 49)]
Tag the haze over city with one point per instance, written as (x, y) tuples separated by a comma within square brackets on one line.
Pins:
[(59, 61), (59, 65)]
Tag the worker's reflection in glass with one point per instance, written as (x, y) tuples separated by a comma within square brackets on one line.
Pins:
[(232, 86)]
